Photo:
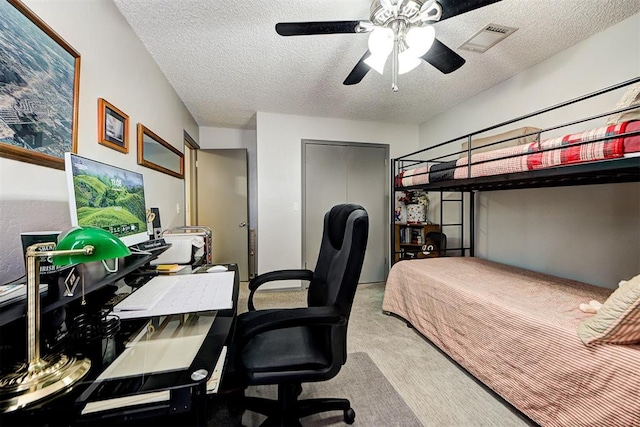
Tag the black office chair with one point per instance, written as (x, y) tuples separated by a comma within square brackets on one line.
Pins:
[(292, 346)]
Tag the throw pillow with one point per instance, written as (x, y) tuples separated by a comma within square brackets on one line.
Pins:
[(618, 320)]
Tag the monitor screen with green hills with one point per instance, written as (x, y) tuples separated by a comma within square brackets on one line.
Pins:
[(108, 197)]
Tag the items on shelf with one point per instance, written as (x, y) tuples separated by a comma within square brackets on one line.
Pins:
[(414, 240), (169, 268)]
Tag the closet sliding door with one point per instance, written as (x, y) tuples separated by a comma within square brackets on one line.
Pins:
[(336, 173)]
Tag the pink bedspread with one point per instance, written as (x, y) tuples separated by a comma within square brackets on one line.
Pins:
[(515, 330)]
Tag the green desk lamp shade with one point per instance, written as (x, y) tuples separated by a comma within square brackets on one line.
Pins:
[(42, 378), (105, 246)]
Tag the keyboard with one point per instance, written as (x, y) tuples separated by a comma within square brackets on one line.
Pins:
[(147, 296)]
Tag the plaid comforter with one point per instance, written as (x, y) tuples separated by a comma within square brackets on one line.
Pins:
[(576, 148)]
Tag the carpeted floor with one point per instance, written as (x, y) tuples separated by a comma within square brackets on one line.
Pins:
[(372, 397), (434, 388)]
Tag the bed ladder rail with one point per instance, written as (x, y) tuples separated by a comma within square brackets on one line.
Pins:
[(461, 248)]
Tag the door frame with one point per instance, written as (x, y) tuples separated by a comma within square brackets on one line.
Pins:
[(191, 180), (387, 194)]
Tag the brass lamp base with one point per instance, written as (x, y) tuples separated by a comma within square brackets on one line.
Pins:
[(39, 380)]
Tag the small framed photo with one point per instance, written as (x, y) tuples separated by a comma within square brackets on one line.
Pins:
[(113, 127)]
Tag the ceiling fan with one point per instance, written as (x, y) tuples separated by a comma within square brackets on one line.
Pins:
[(401, 29)]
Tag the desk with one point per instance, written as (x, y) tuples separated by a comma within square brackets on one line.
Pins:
[(172, 359)]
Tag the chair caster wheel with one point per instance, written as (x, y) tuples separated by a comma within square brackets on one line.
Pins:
[(349, 416)]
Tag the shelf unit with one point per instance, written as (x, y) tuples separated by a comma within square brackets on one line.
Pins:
[(409, 239)]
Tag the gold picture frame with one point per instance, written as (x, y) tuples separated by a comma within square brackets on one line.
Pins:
[(113, 127), (156, 153), (39, 104)]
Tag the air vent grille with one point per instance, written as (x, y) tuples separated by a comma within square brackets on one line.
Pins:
[(487, 37)]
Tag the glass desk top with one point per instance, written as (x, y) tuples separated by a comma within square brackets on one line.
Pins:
[(159, 362), (161, 356)]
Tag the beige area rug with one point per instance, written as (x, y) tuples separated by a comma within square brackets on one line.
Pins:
[(372, 397)]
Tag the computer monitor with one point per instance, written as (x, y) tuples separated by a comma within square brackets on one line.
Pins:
[(108, 197)]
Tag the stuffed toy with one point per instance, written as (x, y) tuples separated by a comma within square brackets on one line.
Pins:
[(591, 308), (430, 249)]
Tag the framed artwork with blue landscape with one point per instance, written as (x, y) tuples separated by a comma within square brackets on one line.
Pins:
[(39, 80)]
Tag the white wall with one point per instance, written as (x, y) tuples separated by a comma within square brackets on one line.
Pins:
[(115, 66), (279, 158), (589, 233)]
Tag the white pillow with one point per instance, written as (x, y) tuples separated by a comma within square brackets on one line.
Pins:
[(630, 97), (514, 137)]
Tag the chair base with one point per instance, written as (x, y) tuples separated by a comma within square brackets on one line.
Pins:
[(287, 410)]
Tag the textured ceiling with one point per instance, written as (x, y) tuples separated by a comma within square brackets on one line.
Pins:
[(226, 61)]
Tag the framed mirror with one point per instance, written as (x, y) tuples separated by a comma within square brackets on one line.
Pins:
[(156, 153)]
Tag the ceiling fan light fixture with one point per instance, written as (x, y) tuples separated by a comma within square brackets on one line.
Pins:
[(398, 28), (377, 62)]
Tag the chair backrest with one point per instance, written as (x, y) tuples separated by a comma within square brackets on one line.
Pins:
[(344, 240)]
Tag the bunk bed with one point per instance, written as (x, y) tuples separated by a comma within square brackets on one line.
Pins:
[(607, 153), (516, 330)]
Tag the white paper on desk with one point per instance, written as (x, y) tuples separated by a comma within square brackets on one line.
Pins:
[(119, 402), (192, 293)]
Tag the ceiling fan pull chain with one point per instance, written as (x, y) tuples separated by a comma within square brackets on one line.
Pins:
[(394, 62)]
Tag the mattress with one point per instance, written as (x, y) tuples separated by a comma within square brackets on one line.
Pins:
[(515, 330), (589, 146)]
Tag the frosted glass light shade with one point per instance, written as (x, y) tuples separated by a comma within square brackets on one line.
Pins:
[(420, 39), (407, 61), (381, 41), (377, 62)]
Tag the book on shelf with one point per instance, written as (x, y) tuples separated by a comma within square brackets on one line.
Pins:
[(412, 236)]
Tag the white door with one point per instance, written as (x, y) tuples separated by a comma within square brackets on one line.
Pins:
[(222, 205), (346, 173)]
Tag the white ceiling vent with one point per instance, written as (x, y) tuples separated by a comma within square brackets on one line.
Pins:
[(487, 37)]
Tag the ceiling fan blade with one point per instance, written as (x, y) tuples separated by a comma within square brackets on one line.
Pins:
[(452, 8), (443, 58), (322, 27), (359, 71)]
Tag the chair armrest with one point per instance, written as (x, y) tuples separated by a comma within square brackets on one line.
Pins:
[(279, 275), (288, 318), (272, 276)]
